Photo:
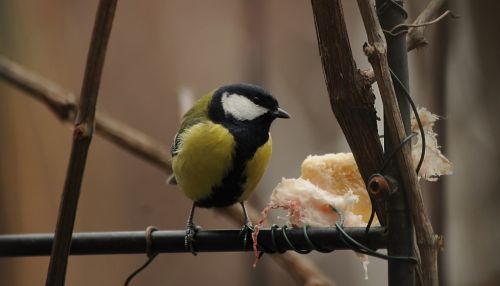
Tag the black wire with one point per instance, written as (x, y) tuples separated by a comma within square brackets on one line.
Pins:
[(312, 244), (273, 239), (365, 250), (369, 224), (285, 236), (393, 153), (131, 276), (150, 252), (417, 117), (391, 156), (351, 241)]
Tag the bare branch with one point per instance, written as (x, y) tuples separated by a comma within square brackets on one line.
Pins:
[(82, 136), (351, 97), (404, 28), (63, 105), (59, 101), (415, 38), (377, 55), (134, 141)]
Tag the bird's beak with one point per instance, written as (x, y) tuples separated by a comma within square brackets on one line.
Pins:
[(280, 113)]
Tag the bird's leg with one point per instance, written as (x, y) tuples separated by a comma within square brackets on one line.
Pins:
[(247, 226), (191, 231)]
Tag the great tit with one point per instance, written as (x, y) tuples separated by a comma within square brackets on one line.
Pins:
[(222, 149)]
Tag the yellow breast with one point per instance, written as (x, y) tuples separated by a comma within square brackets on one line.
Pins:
[(255, 168), (204, 158)]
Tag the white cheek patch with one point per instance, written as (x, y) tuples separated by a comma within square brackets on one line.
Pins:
[(241, 107)]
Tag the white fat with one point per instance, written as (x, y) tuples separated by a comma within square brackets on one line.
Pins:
[(241, 107)]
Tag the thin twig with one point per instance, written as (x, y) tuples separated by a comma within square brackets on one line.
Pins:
[(142, 146), (415, 37), (377, 55), (82, 136), (404, 28)]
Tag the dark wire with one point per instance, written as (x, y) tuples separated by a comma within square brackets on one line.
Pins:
[(422, 154), (131, 276), (365, 250), (417, 117), (311, 243), (285, 236), (370, 221), (150, 252), (393, 153), (356, 246)]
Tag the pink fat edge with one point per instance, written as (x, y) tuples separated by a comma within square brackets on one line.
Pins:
[(290, 206), (255, 233)]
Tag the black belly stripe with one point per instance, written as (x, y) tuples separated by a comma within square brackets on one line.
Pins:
[(228, 193)]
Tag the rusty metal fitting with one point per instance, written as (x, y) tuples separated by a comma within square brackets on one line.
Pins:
[(380, 186)]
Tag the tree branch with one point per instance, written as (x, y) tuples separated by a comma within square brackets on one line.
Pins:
[(59, 101), (415, 37), (64, 106), (82, 136), (428, 243), (351, 97), (134, 141)]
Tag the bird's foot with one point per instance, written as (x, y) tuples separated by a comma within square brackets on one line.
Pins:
[(246, 231), (190, 237)]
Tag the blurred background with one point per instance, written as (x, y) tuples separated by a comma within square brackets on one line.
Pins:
[(159, 47)]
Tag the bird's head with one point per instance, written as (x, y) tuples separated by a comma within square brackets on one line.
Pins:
[(245, 104)]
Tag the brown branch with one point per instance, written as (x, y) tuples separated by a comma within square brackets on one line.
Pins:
[(134, 142), (415, 37), (144, 147), (351, 97), (427, 241), (82, 136), (59, 101), (404, 28), (64, 106)]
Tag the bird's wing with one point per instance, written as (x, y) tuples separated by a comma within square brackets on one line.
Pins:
[(174, 149), (196, 114)]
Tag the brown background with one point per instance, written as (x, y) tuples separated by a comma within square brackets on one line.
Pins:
[(157, 48)]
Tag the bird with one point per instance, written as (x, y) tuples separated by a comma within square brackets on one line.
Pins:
[(222, 149)]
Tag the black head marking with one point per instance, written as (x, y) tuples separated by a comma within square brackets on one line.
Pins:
[(259, 96)]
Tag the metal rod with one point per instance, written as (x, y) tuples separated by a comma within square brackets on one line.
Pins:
[(399, 225), (172, 241)]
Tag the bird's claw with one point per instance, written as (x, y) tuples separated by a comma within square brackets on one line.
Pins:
[(190, 237), (246, 230)]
